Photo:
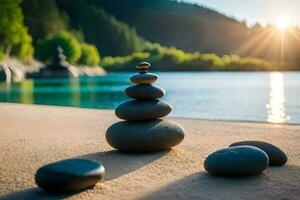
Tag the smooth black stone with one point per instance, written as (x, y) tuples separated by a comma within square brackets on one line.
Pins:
[(69, 175), (144, 136), (137, 110), (144, 78), (276, 156), (144, 92), (237, 161)]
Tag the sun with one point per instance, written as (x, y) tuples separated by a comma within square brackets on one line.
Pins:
[(282, 23)]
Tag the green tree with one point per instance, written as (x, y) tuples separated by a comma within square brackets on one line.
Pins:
[(14, 36), (43, 18), (154, 49), (89, 55), (111, 36), (2, 56), (47, 48)]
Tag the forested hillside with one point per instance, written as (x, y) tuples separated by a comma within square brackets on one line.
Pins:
[(89, 23), (171, 34), (188, 27), (191, 28)]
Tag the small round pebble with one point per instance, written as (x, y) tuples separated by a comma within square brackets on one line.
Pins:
[(144, 92), (138, 110), (147, 78), (237, 161), (70, 175), (143, 66), (144, 136), (276, 156)]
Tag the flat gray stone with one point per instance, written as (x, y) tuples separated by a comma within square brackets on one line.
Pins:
[(137, 110), (147, 78), (144, 136), (237, 161), (276, 156), (144, 92), (69, 175)]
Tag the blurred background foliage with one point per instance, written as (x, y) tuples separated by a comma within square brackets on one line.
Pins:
[(172, 35), (14, 37), (89, 55), (171, 59)]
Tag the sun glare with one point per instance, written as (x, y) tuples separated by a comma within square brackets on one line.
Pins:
[(282, 23), (276, 106)]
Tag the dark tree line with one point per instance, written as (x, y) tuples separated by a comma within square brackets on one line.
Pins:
[(122, 28), (191, 28), (88, 23)]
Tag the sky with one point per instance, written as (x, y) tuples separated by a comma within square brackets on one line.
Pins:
[(263, 11)]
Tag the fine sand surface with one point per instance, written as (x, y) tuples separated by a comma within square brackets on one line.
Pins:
[(31, 136)]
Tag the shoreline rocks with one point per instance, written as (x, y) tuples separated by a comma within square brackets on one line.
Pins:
[(20, 71)]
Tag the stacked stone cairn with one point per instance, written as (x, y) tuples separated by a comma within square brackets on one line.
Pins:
[(58, 68), (143, 130)]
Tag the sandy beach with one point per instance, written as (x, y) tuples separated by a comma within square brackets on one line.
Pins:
[(31, 136)]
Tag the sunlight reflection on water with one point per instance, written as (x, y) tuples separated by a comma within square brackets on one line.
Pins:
[(276, 106), (256, 96)]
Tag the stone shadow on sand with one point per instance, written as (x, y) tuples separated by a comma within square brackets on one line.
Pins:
[(275, 183), (33, 194), (115, 162)]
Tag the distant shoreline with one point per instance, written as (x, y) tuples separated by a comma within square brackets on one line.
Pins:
[(175, 117), (186, 70), (19, 71)]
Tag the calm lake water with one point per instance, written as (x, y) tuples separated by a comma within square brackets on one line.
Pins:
[(252, 96)]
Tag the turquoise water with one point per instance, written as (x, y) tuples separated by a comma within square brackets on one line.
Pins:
[(252, 96)]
